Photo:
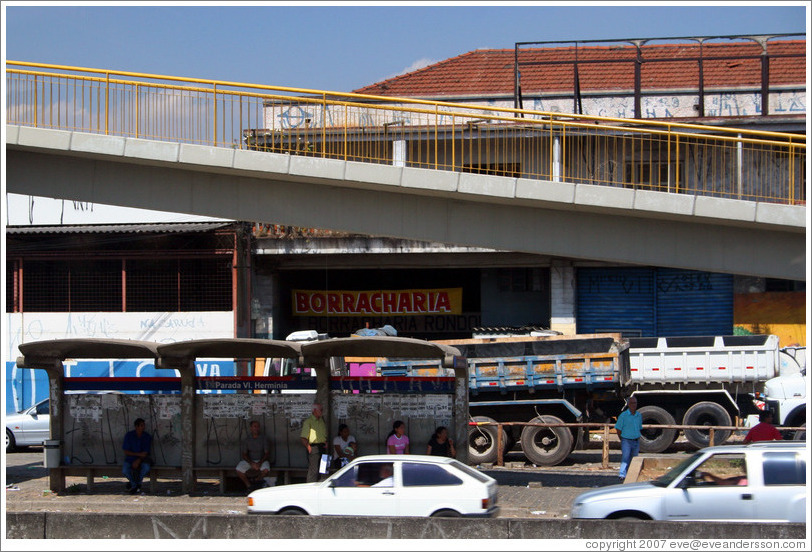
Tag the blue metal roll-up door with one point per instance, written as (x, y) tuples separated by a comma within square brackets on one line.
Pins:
[(694, 303), (652, 302), (617, 300)]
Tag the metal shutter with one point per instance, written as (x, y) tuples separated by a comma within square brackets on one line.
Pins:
[(616, 299), (694, 303)]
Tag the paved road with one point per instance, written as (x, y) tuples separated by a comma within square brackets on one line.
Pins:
[(524, 492)]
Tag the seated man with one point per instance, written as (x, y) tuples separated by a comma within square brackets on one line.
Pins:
[(255, 457), (136, 456), (386, 476)]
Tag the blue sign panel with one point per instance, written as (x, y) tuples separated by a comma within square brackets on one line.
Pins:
[(25, 387)]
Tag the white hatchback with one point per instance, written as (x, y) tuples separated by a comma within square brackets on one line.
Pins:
[(760, 482), (387, 485)]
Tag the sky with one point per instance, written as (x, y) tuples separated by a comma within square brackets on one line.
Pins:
[(344, 46)]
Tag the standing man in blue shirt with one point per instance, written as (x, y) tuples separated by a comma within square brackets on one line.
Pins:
[(136, 460), (629, 425)]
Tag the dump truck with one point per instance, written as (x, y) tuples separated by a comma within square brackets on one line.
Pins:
[(699, 381)]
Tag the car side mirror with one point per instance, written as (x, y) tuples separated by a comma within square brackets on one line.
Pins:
[(688, 481), (332, 483)]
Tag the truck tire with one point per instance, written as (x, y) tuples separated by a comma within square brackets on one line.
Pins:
[(709, 414), (656, 440), (546, 446), (482, 442)]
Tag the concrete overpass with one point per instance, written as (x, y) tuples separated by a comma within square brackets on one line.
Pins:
[(617, 225)]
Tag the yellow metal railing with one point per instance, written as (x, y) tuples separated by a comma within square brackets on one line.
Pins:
[(640, 154)]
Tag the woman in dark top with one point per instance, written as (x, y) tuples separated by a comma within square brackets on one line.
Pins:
[(440, 444)]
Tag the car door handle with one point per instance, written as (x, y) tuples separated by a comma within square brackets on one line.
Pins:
[(388, 492), (747, 496)]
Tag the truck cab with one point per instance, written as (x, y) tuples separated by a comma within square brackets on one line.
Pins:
[(785, 395)]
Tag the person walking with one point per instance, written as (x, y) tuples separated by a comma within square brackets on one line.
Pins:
[(314, 439), (629, 425)]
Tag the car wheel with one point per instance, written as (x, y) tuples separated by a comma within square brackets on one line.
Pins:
[(708, 414), (10, 443), (546, 446), (628, 518), (446, 513), (656, 440), (800, 435), (482, 442), (291, 512)]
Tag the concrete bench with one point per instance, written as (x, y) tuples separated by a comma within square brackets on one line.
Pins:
[(110, 470), (283, 474)]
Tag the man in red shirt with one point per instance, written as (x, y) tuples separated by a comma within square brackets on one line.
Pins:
[(764, 430)]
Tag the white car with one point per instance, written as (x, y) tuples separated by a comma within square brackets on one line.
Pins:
[(760, 482), (419, 486), (28, 427)]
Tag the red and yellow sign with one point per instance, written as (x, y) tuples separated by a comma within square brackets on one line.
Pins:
[(404, 302)]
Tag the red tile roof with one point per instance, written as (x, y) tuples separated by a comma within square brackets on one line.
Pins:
[(490, 72)]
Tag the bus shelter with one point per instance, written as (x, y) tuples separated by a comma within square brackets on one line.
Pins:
[(199, 424)]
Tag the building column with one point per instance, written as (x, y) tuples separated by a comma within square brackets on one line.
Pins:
[(562, 297)]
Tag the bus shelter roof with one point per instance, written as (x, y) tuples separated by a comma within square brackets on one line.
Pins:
[(50, 351), (230, 348), (377, 346)]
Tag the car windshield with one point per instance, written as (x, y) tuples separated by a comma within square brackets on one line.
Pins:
[(666, 479)]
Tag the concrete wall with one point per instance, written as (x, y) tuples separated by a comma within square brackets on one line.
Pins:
[(57, 525), (161, 327), (25, 388), (717, 104), (95, 424)]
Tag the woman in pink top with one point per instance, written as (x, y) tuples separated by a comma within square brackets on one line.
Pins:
[(398, 442)]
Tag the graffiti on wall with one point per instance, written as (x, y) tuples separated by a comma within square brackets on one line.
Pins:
[(721, 104), (95, 425), (25, 388)]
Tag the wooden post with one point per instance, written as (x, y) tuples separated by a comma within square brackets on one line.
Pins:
[(710, 437), (500, 459), (605, 459)]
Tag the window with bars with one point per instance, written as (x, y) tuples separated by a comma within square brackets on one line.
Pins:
[(118, 285)]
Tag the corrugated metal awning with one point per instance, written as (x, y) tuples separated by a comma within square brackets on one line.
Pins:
[(148, 228)]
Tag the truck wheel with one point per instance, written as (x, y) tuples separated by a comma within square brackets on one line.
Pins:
[(546, 446), (800, 435), (656, 440), (709, 414), (482, 442)]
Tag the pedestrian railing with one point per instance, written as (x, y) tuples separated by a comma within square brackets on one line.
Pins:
[(606, 429), (644, 154)]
